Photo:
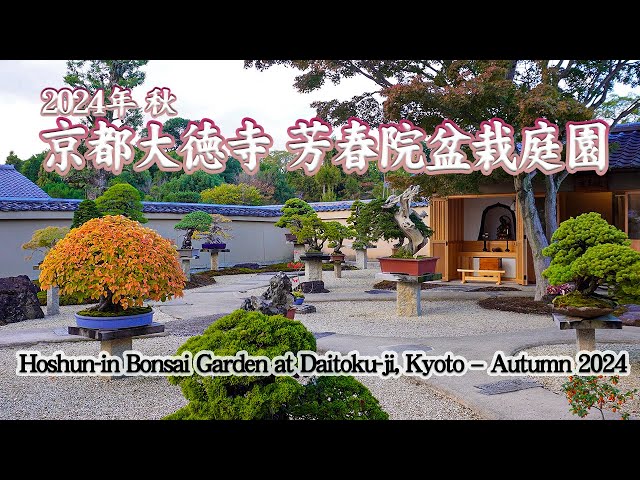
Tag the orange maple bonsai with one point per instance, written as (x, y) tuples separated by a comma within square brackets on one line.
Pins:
[(116, 261)]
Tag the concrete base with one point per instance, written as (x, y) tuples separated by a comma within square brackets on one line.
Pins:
[(337, 269), (298, 249), (185, 262), (361, 259), (53, 301), (116, 348), (214, 261), (312, 270), (586, 340), (408, 299)]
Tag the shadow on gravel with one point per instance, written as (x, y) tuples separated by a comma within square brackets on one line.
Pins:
[(189, 328)]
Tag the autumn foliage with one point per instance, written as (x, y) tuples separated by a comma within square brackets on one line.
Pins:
[(114, 260)]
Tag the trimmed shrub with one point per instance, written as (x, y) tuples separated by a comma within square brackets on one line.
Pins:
[(86, 211)]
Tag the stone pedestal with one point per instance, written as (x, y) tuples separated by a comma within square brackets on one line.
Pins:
[(313, 266), (586, 328), (53, 301), (298, 250), (408, 299), (361, 259), (337, 269), (214, 256), (408, 291), (185, 262), (116, 342)]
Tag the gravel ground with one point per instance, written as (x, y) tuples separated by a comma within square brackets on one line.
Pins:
[(81, 398), (407, 398), (629, 382)]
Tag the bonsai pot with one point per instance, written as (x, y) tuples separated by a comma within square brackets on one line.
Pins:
[(290, 237), (214, 246), (408, 266), (337, 257), (298, 301), (111, 323), (583, 312), (291, 313)]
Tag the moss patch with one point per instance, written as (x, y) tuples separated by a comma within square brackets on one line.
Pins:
[(122, 313), (496, 289), (577, 299), (199, 280), (387, 285), (515, 304), (276, 267)]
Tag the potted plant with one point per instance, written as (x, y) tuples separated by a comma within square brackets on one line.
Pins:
[(401, 222), (337, 233), (310, 230), (217, 232), (592, 255), (298, 297), (193, 222), (43, 240), (119, 263), (292, 210)]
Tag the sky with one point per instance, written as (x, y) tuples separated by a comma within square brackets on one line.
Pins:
[(221, 90)]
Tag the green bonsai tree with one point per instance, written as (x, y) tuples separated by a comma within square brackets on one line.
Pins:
[(86, 211), (363, 227), (336, 233), (193, 222), (589, 252), (310, 231), (44, 239), (383, 224), (121, 199), (218, 231), (292, 212)]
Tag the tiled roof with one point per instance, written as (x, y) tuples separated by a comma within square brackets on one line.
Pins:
[(346, 205), (624, 143), (69, 205), (15, 185)]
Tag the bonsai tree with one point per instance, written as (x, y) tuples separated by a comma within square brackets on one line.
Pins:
[(383, 224), (292, 212), (336, 233), (116, 261), (193, 222), (590, 253), (363, 227), (217, 232), (311, 231), (44, 239), (85, 212), (121, 199)]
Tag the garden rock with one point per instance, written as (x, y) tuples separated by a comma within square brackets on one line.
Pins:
[(631, 318), (314, 286), (18, 300), (252, 266), (277, 300)]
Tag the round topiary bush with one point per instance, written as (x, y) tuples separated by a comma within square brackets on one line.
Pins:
[(243, 397), (116, 261)]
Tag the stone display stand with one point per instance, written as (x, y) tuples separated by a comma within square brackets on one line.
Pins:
[(53, 298), (298, 251), (185, 263), (586, 328), (408, 289), (337, 268), (116, 342), (313, 266), (214, 255), (361, 259)]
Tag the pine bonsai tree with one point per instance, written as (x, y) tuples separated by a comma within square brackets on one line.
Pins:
[(85, 212), (121, 199), (337, 233), (193, 222), (292, 211)]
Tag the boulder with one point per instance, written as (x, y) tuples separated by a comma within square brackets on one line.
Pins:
[(277, 300), (314, 286), (18, 300), (631, 318)]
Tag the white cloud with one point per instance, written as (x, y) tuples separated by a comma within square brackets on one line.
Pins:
[(218, 89)]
